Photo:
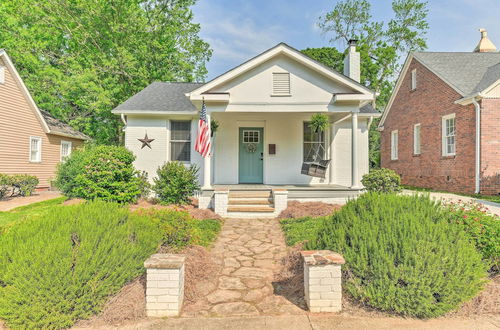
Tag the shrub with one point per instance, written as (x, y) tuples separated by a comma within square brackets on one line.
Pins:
[(176, 183), (23, 184), (100, 172), (301, 229), (61, 267), (382, 180), (144, 185), (402, 255), (5, 184), (482, 228)]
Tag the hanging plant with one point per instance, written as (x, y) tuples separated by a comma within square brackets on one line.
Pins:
[(214, 125), (319, 122)]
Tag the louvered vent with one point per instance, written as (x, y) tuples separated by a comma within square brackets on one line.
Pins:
[(281, 83)]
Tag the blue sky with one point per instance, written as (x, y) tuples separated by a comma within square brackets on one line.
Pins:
[(240, 29)]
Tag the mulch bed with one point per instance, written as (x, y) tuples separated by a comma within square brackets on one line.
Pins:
[(308, 209), (192, 209)]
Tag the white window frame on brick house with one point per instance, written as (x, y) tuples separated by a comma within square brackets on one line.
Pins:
[(174, 141), (394, 145), (416, 139), (413, 79), (2, 75), (448, 133), (281, 84), (65, 149), (35, 156)]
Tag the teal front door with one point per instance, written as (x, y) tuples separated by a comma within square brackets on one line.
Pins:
[(251, 155)]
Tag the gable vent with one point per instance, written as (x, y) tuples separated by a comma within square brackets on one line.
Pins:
[(281, 83)]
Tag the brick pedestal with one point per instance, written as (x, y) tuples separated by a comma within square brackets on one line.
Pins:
[(322, 280), (164, 284), (221, 200), (280, 197)]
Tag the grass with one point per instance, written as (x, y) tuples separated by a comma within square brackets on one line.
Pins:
[(301, 229), (207, 231), (21, 213), (491, 198)]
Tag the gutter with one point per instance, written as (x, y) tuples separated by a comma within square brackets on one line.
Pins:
[(478, 145)]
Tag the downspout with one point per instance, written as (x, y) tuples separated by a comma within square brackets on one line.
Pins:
[(478, 145), (122, 116)]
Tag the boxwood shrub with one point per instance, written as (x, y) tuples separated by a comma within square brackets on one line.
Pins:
[(175, 183), (61, 267), (402, 255), (100, 172), (382, 180)]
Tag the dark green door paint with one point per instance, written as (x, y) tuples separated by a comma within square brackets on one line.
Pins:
[(251, 154)]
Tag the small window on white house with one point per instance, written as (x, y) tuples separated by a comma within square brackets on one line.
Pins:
[(35, 149), (314, 144), (414, 79), (65, 150), (394, 145), (180, 141), (2, 74), (448, 135), (416, 139), (281, 84)]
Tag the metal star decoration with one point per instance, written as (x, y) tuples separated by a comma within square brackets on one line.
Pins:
[(146, 141)]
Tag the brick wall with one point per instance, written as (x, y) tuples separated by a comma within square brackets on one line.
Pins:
[(490, 146), (431, 100)]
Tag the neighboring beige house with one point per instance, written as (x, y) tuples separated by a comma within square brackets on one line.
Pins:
[(31, 140), (264, 142)]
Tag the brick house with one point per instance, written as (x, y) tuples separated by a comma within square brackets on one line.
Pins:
[(441, 127)]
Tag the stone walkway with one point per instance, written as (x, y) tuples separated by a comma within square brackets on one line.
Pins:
[(10, 203), (248, 252)]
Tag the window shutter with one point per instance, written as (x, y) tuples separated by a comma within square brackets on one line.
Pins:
[(281, 83)]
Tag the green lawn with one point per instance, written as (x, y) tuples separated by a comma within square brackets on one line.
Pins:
[(490, 198), (32, 210)]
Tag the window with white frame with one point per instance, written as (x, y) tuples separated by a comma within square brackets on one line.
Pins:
[(414, 79), (180, 141), (35, 149), (416, 139), (2, 74), (314, 144), (449, 133), (281, 83), (65, 149), (394, 145)]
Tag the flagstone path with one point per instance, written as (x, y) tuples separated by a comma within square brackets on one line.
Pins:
[(248, 252)]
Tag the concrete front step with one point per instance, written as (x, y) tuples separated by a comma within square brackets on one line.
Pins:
[(246, 201), (250, 194), (250, 208)]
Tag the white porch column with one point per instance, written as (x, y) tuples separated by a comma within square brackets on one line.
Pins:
[(207, 164), (354, 150)]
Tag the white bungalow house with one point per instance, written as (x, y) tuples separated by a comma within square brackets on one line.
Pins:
[(263, 141)]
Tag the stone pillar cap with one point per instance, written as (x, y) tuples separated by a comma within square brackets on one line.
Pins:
[(322, 257), (165, 261)]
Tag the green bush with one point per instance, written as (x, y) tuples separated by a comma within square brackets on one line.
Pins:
[(144, 185), (63, 266), (299, 230), (100, 172), (5, 184), (176, 183), (482, 228), (382, 180), (23, 184), (402, 255)]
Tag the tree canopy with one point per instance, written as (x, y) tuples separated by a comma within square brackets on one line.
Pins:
[(81, 58)]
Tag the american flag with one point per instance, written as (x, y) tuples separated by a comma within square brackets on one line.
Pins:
[(203, 142)]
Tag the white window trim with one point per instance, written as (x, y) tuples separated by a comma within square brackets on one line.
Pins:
[(325, 142), (444, 145), (413, 79), (417, 147), (39, 160), (394, 146), (2, 74), (190, 140), (70, 146)]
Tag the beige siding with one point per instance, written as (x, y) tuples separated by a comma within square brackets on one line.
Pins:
[(18, 122)]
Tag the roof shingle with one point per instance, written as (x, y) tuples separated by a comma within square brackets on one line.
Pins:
[(57, 127)]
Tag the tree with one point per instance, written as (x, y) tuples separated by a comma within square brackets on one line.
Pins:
[(81, 58), (381, 45)]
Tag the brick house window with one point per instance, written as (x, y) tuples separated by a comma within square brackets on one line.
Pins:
[(414, 79), (448, 135), (416, 139), (394, 145), (180, 141)]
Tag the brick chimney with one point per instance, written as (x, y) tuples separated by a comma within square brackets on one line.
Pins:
[(352, 62), (485, 45)]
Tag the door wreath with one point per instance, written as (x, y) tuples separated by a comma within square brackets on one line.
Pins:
[(251, 147)]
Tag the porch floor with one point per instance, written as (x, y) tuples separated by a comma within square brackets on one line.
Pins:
[(312, 187)]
